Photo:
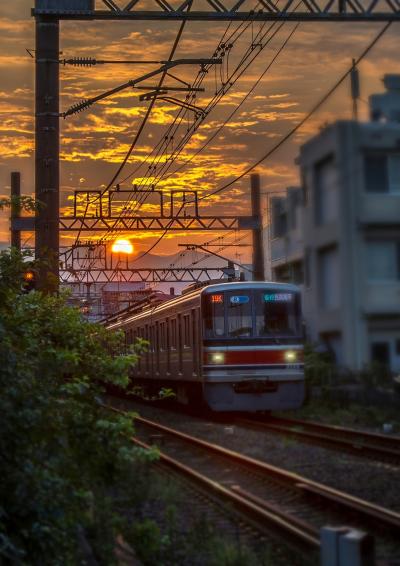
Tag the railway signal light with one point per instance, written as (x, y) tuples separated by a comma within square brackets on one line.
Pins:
[(30, 281)]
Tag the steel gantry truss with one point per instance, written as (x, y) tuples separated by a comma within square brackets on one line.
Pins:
[(155, 223), (218, 10), (123, 275)]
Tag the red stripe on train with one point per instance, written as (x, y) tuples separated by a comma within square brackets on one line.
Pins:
[(235, 357)]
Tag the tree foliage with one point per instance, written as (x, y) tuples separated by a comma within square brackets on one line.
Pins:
[(61, 452)]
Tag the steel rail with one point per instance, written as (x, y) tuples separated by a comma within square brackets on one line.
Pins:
[(264, 514), (357, 442), (380, 516)]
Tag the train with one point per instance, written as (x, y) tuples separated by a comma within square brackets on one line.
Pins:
[(232, 346)]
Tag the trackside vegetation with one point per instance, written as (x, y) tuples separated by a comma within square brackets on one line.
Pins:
[(63, 456)]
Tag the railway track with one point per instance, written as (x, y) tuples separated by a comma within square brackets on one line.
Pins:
[(365, 444), (292, 506)]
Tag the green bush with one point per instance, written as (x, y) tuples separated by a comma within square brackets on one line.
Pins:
[(62, 454)]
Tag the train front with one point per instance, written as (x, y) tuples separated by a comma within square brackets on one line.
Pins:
[(252, 347)]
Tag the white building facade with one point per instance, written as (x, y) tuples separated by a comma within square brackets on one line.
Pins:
[(338, 236)]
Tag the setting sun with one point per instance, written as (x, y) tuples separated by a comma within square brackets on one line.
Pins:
[(122, 246)]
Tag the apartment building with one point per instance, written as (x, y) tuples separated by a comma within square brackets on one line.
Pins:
[(338, 235)]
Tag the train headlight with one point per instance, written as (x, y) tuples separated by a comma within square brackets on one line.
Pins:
[(290, 356), (217, 358)]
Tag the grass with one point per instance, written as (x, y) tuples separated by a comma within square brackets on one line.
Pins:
[(350, 414), (169, 528)]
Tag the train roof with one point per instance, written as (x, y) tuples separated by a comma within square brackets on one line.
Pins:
[(240, 285), (189, 295)]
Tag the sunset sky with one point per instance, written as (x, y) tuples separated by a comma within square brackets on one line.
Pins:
[(94, 142)]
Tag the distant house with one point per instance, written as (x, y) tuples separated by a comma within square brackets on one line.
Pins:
[(338, 235)]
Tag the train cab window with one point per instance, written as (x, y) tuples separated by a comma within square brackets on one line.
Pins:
[(277, 313), (213, 312), (239, 315)]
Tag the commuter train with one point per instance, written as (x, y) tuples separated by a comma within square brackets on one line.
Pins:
[(234, 346)]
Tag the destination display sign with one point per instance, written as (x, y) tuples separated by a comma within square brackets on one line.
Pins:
[(217, 298), (278, 297), (239, 299)]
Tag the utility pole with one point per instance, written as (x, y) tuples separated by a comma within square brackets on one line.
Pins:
[(47, 183), (15, 209), (355, 89), (258, 252)]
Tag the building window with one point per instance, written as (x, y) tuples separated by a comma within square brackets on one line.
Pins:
[(329, 278), (383, 260), (293, 205), (332, 346), (290, 273), (279, 217), (380, 352), (382, 173), (305, 187), (326, 191), (307, 267)]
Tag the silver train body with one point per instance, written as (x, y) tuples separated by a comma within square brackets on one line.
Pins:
[(235, 346)]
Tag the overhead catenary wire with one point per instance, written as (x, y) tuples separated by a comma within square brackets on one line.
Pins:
[(314, 109), (236, 109), (224, 90), (201, 75), (113, 180), (256, 41), (142, 125), (273, 60)]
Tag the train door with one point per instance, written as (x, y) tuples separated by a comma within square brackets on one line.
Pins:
[(195, 341), (151, 349), (147, 337), (167, 347), (157, 348), (179, 345)]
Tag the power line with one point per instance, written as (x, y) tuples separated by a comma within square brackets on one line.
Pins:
[(304, 120), (142, 125), (235, 110)]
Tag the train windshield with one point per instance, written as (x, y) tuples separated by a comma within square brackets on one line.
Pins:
[(277, 313), (239, 314), (253, 313)]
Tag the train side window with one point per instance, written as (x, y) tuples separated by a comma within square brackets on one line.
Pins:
[(152, 338), (186, 331), (195, 338), (162, 336), (173, 333), (167, 335), (214, 315)]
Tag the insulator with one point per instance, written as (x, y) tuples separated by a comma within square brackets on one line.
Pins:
[(76, 108), (82, 62)]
